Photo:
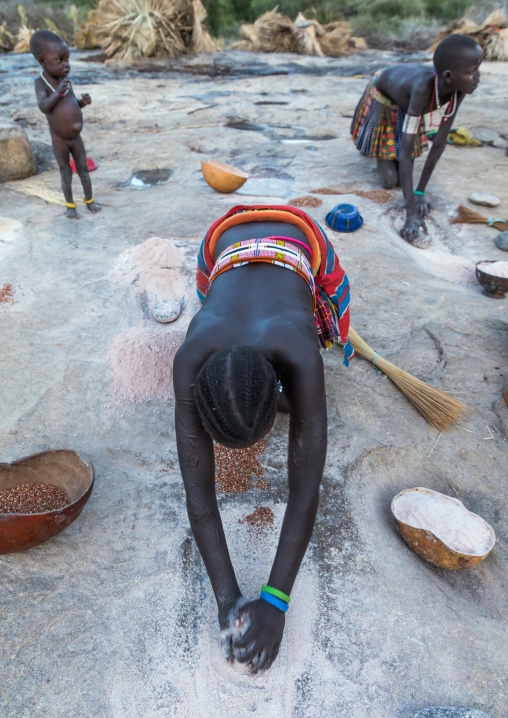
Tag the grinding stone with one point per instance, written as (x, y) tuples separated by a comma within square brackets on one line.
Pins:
[(502, 240), (449, 712), (166, 310), (487, 200)]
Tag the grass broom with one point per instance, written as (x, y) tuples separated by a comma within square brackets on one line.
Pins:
[(439, 408), (36, 189), (469, 216)]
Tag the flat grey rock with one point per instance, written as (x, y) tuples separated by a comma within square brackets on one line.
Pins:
[(502, 240), (485, 199), (166, 310), (449, 712)]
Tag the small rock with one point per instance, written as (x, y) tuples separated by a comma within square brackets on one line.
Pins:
[(166, 310), (487, 200), (449, 712), (16, 157), (502, 240)]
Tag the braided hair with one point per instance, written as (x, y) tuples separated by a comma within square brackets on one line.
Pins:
[(236, 394)]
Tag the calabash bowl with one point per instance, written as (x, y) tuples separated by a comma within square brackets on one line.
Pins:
[(221, 177), (492, 286), (61, 468)]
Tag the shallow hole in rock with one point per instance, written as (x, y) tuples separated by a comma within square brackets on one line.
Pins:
[(149, 178)]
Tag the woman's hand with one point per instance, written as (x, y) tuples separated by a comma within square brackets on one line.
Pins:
[(422, 205), (411, 231), (259, 644)]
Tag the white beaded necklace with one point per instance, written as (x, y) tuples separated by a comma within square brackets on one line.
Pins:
[(452, 103), (50, 85)]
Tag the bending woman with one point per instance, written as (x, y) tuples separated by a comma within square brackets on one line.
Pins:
[(253, 346)]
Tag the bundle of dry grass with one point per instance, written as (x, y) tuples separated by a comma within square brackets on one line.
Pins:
[(274, 32), (469, 216), (136, 29), (37, 189), (6, 39), (84, 35), (439, 408), (491, 35)]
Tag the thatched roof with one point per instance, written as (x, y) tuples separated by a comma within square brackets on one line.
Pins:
[(274, 32)]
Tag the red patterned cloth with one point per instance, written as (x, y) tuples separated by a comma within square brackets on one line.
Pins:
[(331, 282)]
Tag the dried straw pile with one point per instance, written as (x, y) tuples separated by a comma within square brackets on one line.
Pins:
[(135, 29), (273, 32), (492, 35)]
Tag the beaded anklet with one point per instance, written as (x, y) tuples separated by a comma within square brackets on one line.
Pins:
[(420, 194), (71, 205), (87, 201)]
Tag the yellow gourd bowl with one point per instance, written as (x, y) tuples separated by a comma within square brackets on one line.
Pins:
[(221, 177)]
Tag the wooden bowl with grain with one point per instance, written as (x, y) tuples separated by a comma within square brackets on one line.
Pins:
[(58, 468)]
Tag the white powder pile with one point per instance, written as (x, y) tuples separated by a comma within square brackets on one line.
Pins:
[(496, 269), (446, 518), (142, 363)]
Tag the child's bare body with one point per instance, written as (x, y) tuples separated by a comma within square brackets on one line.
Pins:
[(57, 101), (389, 125)]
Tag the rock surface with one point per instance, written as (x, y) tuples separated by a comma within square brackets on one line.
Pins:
[(448, 712), (115, 617), (16, 158), (502, 241)]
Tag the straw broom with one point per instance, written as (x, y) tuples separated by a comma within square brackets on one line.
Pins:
[(469, 216), (35, 189), (439, 408)]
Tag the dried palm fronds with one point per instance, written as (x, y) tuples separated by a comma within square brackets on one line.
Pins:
[(491, 35), (135, 29), (6, 39), (51, 26), (469, 216), (84, 35), (274, 32), (202, 41), (436, 406), (23, 39), (36, 189)]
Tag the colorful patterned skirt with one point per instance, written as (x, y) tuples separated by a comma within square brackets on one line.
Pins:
[(331, 299), (376, 128)]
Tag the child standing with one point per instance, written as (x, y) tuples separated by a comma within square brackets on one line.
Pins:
[(389, 120), (56, 99)]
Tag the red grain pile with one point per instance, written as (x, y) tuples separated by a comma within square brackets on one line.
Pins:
[(379, 196), (7, 294), (306, 201), (32, 499), (239, 469), (260, 521)]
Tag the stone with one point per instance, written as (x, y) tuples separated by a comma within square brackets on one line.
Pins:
[(16, 158), (485, 199), (502, 240), (450, 712), (166, 310)]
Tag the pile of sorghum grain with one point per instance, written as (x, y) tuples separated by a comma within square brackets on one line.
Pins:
[(235, 468), (7, 294), (259, 521), (32, 499), (306, 201)]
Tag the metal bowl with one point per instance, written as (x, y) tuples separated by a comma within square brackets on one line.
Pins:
[(492, 286), (61, 468)]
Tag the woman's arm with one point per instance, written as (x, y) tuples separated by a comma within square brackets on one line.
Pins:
[(304, 387), (197, 464)]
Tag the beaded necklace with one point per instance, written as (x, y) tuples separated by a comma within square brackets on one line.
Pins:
[(452, 105), (50, 85)]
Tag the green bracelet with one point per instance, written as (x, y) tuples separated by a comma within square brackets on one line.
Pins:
[(422, 194), (275, 592)]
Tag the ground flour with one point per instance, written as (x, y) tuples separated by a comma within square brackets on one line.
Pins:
[(445, 517)]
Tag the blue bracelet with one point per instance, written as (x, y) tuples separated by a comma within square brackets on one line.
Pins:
[(274, 601)]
